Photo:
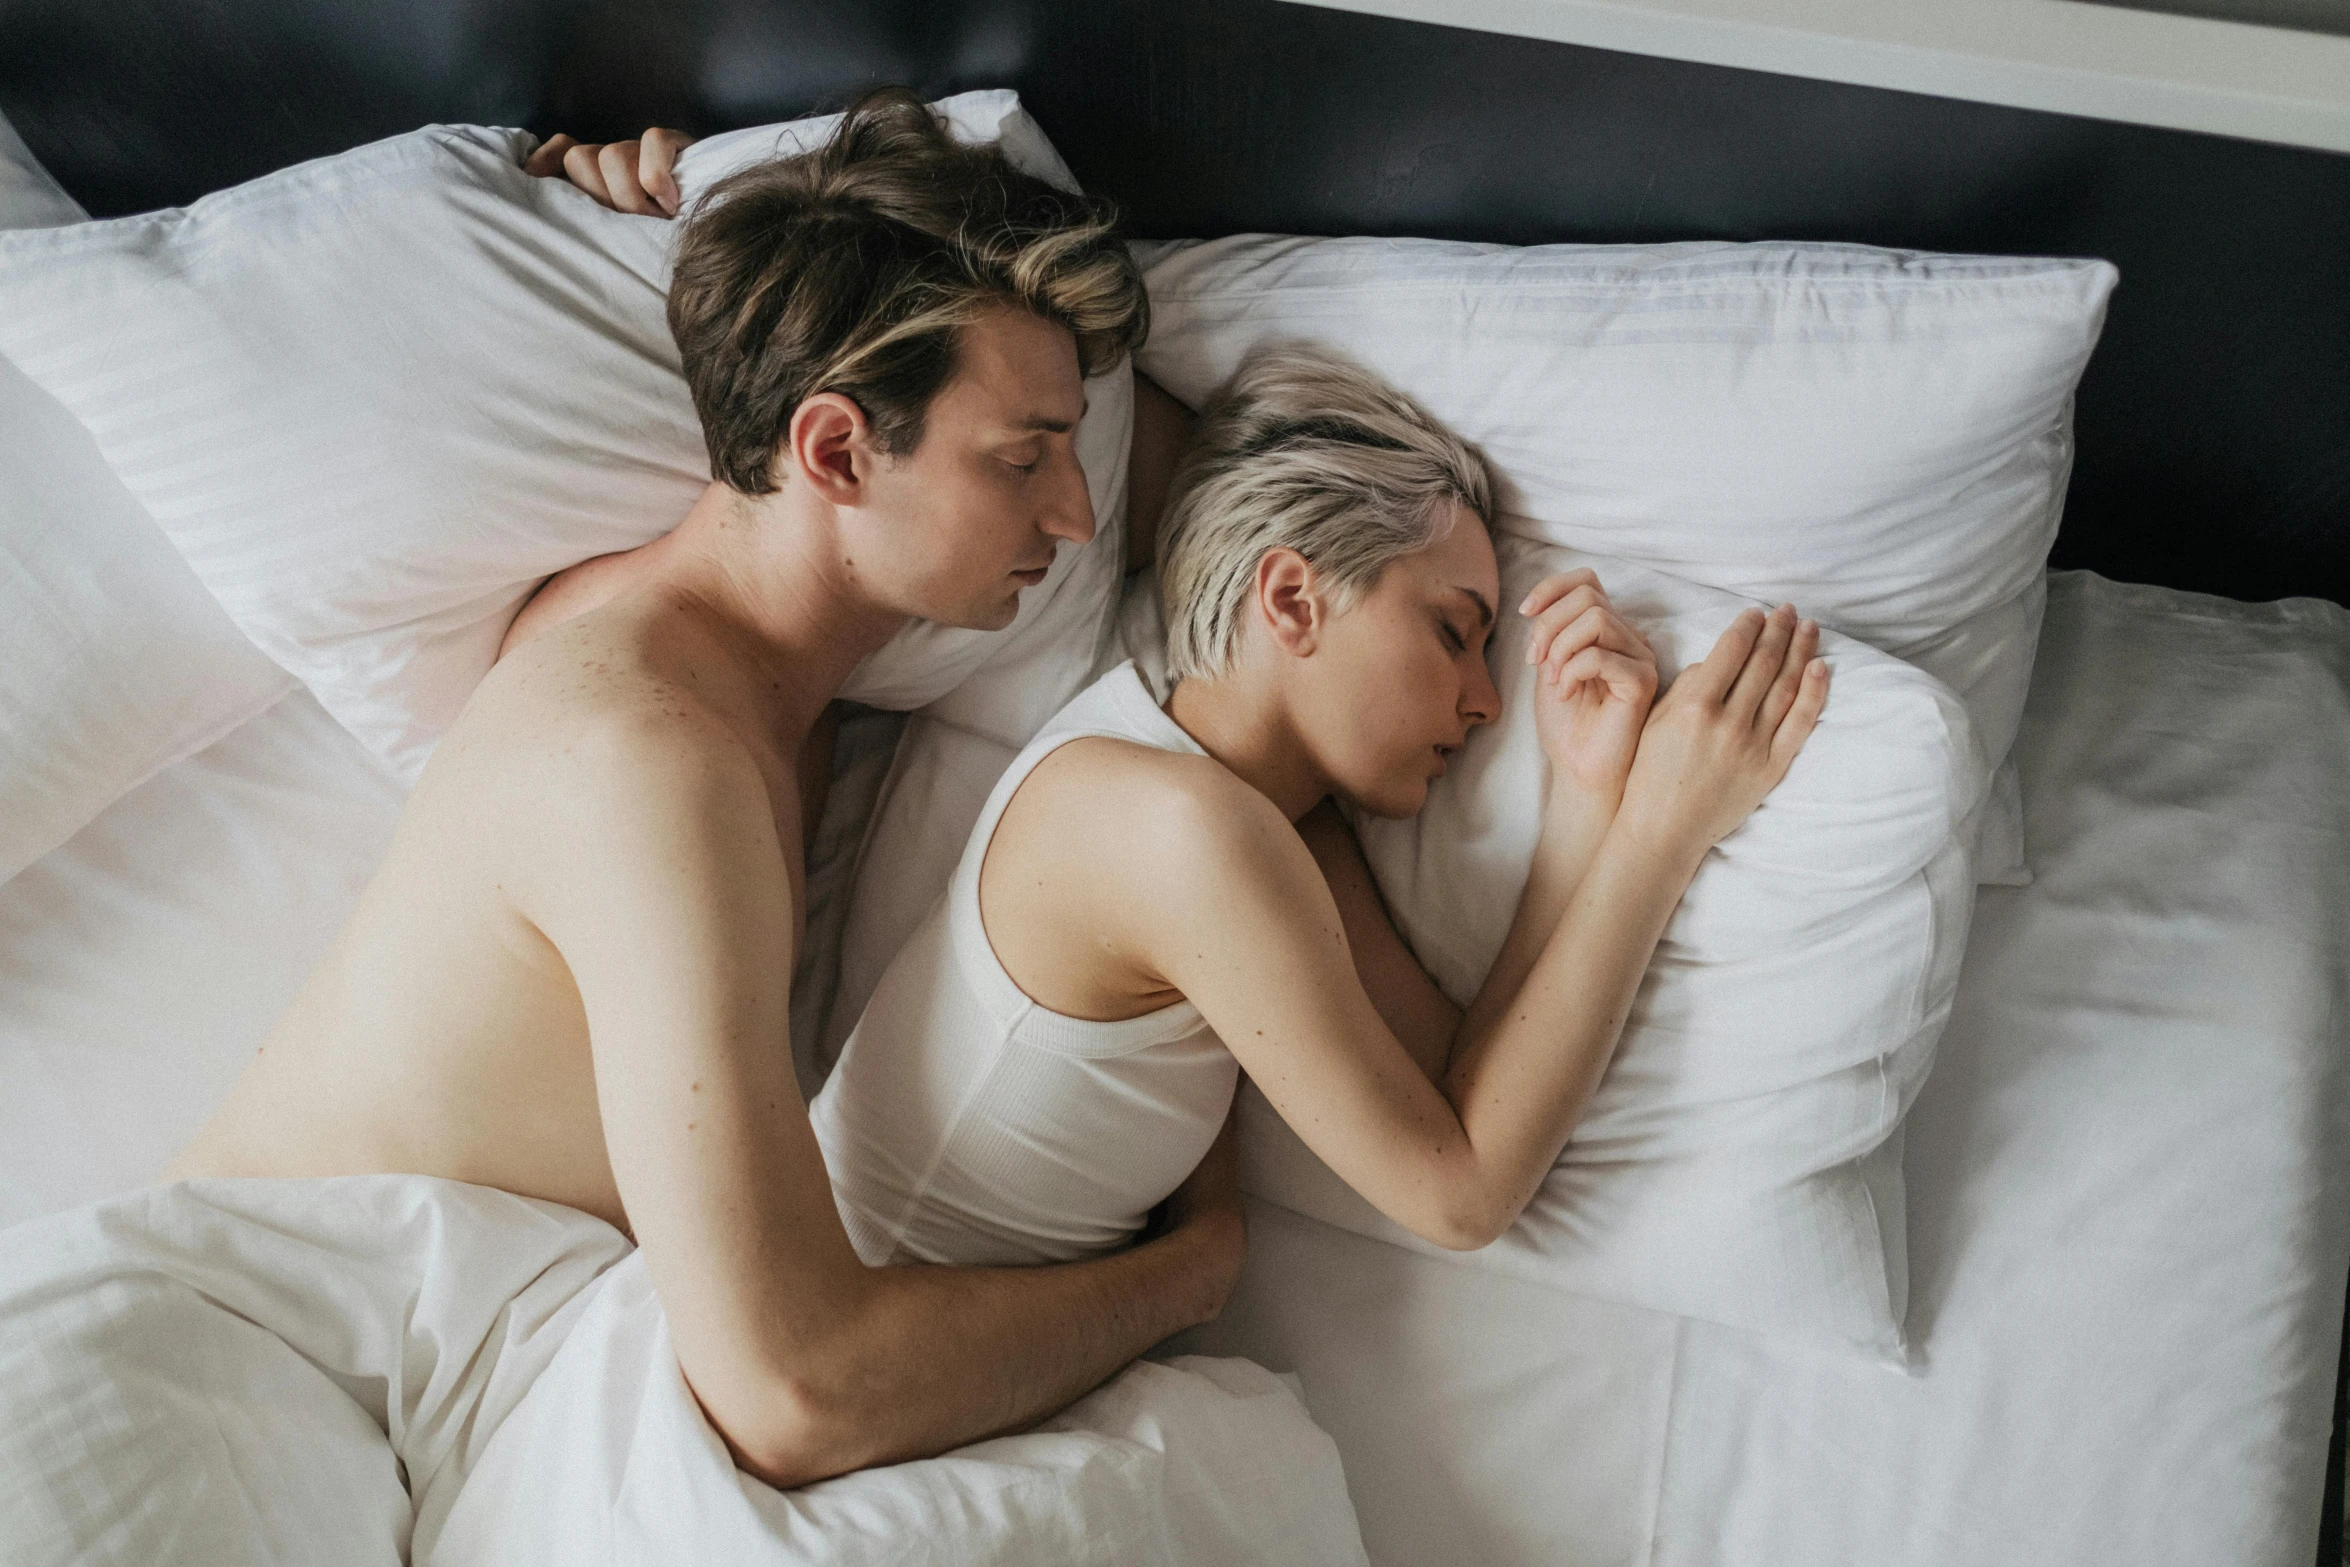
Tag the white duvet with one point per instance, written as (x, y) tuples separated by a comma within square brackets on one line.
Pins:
[(382, 1369)]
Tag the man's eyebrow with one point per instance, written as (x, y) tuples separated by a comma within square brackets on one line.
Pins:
[(1057, 426), (1484, 609)]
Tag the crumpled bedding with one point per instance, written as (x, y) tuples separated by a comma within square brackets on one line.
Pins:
[(383, 1369)]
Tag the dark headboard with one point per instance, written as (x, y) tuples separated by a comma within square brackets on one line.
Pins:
[(2214, 425)]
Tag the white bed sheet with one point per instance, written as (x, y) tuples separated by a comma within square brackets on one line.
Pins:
[(2128, 1206), (2130, 1217)]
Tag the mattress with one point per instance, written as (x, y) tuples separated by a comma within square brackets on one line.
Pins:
[(2130, 1222)]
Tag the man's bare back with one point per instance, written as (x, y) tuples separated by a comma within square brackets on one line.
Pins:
[(443, 1034)]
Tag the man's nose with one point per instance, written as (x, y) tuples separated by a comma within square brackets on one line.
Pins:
[(1069, 515)]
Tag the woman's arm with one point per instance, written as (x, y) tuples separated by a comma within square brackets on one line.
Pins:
[(1240, 921), (1421, 1016)]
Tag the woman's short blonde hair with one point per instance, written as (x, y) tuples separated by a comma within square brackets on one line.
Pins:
[(1304, 451)]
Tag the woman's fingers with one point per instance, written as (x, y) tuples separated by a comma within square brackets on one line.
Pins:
[(1810, 699), (547, 157), (1713, 678), (1781, 697), (1555, 587), (1745, 696), (1565, 630), (1627, 679)]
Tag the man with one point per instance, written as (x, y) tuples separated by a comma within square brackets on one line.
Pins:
[(568, 979)]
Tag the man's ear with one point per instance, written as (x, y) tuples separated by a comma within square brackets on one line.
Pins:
[(1290, 602), (829, 446)]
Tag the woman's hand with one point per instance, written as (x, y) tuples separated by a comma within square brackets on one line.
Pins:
[(628, 176), (1595, 680), (1725, 733)]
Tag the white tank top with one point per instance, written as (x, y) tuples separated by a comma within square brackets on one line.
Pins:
[(966, 1124)]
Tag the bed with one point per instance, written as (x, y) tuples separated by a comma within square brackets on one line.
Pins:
[(2129, 1217)]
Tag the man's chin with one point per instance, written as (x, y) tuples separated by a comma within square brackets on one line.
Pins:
[(985, 617)]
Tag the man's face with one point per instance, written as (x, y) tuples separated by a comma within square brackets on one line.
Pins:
[(953, 530)]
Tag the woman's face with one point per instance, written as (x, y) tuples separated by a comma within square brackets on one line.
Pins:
[(1398, 677)]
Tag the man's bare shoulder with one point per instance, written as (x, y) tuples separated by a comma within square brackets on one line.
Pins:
[(602, 715)]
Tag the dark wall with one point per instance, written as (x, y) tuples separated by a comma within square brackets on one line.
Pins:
[(2214, 444)]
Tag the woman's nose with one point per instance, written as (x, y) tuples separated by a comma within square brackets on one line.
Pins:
[(1480, 701)]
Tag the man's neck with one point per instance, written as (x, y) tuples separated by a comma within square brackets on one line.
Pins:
[(766, 571), (1248, 730)]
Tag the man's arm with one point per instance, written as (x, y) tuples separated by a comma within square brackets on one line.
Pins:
[(677, 930)]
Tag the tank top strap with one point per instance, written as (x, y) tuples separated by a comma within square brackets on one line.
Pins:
[(1117, 706)]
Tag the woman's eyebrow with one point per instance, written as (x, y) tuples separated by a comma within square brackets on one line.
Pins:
[(1484, 609)]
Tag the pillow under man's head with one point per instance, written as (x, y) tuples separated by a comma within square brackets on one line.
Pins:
[(853, 268)]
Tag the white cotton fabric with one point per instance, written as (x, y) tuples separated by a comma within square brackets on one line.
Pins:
[(964, 1123), (1740, 1161), (376, 398), (395, 1369), (1882, 436), (2129, 1226), (114, 661), (2128, 1230)]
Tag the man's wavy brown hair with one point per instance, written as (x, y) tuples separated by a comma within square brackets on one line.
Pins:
[(854, 267)]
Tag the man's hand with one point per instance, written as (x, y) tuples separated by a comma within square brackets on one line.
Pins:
[(628, 176), (1595, 681)]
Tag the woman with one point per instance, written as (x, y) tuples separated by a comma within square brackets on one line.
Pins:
[(1156, 899)]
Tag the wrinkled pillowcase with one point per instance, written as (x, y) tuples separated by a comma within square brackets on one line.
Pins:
[(114, 661), (1741, 1161), (1881, 436), (376, 398)]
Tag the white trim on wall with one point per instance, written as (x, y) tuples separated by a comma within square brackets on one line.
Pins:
[(2150, 68)]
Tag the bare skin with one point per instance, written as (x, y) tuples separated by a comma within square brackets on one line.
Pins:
[(1123, 877), (569, 977)]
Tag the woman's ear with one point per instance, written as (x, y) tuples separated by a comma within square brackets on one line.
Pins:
[(829, 445), (1290, 602)]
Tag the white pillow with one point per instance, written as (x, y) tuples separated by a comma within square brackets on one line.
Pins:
[(375, 398), (1881, 436), (114, 661), (1741, 1161)]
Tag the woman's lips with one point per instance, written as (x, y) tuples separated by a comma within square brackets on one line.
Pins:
[(1030, 578)]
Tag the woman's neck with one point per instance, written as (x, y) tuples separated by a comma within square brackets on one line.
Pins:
[(1246, 727)]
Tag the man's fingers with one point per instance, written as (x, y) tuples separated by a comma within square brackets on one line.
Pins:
[(618, 161), (582, 167), (656, 165), (1762, 663), (1811, 698), (547, 157), (1781, 697)]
